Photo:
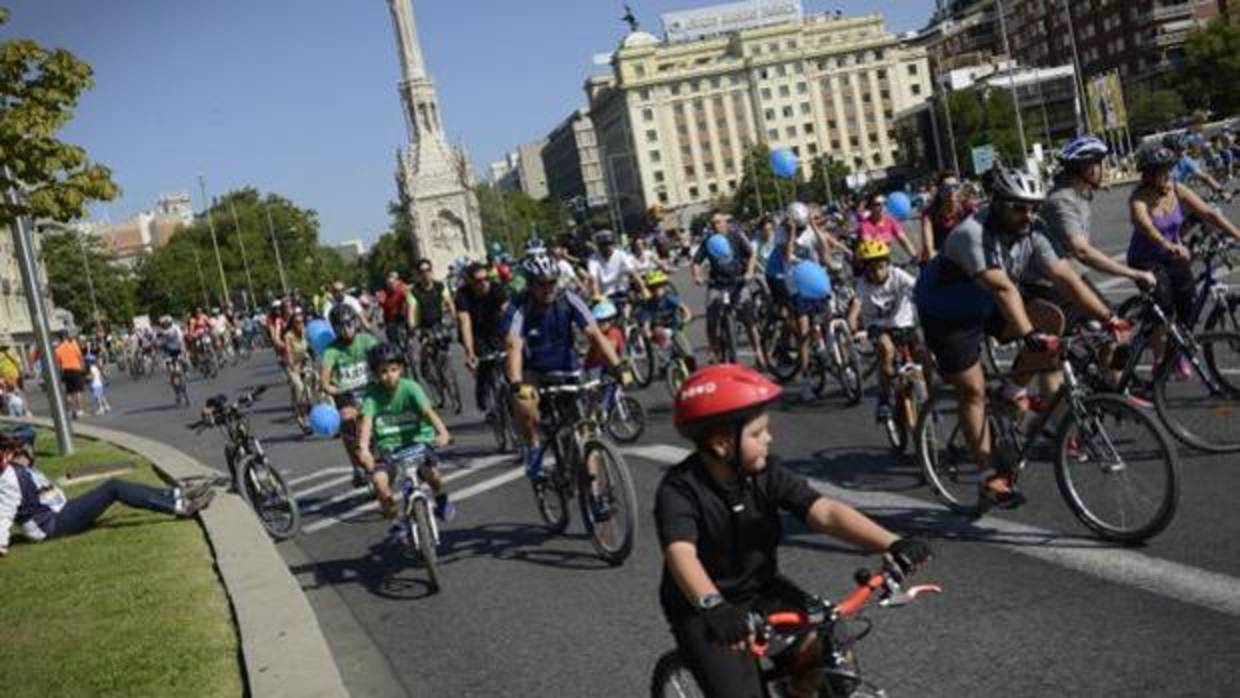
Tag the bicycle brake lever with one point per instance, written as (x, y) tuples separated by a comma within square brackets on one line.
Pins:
[(903, 597)]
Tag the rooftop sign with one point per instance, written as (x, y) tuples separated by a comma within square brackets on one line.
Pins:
[(689, 25)]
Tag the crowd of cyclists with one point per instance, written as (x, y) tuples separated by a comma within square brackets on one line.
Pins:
[(808, 290)]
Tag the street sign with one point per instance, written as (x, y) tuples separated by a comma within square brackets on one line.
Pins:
[(983, 159)]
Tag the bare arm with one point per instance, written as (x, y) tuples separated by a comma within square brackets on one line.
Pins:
[(1092, 257), (1207, 212), (600, 341), (845, 523), (364, 429), (927, 238), (1069, 283), (463, 322), (442, 436), (515, 360), (325, 380), (854, 314), (1008, 298), (687, 571)]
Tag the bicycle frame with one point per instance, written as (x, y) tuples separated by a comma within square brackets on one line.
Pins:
[(405, 466)]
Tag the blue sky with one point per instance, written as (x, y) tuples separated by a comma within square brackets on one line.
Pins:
[(299, 96)]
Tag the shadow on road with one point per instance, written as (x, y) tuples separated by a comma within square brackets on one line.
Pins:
[(384, 570), (519, 542), (870, 470)]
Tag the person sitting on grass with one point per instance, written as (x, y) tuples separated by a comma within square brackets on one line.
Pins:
[(396, 414), (30, 500)]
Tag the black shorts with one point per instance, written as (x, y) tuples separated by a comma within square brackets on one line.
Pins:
[(957, 344), (75, 380), (900, 336)]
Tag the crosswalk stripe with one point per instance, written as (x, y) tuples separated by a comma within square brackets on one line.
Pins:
[(318, 474)]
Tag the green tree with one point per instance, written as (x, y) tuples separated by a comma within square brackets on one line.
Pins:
[(1152, 110), (183, 274), (983, 117), (76, 262), (818, 189), (39, 90), (760, 191), (510, 218), (1211, 62), (393, 251)]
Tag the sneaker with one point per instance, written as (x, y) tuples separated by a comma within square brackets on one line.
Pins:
[(388, 508), (600, 508), (534, 463), (397, 534), (190, 506), (882, 411), (359, 478), (1000, 491), (444, 508)]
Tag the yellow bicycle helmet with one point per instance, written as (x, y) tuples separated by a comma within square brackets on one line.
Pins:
[(656, 277), (873, 249)]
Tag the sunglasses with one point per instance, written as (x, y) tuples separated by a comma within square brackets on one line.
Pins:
[(1026, 209)]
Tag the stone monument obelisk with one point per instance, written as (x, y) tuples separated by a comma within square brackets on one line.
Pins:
[(434, 179)]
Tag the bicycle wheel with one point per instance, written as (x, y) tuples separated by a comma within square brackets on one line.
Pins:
[(627, 420), (430, 379), (1201, 408), (608, 501), (426, 540), (672, 678), (1116, 469), (727, 337), (552, 497), (268, 494), (894, 428), (676, 373), (848, 373), (641, 357), (453, 389), (944, 455), (501, 419), (784, 355)]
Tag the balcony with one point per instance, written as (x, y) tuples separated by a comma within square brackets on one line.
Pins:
[(1183, 10)]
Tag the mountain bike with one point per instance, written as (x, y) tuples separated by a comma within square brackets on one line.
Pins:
[(1215, 305), (908, 390), (252, 474), (586, 466), (780, 642), (178, 381), (1115, 465), (435, 372), (725, 325), (497, 401), (418, 529), (203, 358), (670, 362), (637, 347), (623, 416)]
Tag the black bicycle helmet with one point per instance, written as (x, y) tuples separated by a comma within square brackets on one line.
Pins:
[(383, 354), (540, 267), (342, 314), (1157, 157)]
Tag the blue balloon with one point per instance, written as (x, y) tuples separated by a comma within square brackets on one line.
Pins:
[(325, 419), (810, 280), (899, 205), (719, 248), (319, 334), (784, 163)]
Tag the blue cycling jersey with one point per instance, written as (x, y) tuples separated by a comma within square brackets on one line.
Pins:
[(547, 331)]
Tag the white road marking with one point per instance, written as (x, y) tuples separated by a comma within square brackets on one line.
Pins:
[(323, 485), (318, 474), (658, 452)]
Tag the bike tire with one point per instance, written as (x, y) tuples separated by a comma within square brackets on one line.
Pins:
[(784, 359), (627, 420), (552, 500), (455, 403), (268, 495), (1070, 469), (896, 434), (944, 456), (501, 419), (727, 338), (675, 375), (613, 541), (427, 549), (1220, 407), (672, 678), (641, 357)]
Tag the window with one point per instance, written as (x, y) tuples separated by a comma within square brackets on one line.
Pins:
[(729, 165), (658, 176), (652, 136), (766, 93), (769, 114), (714, 188), (813, 148), (709, 168), (714, 82), (885, 94), (639, 70), (784, 91), (787, 111), (854, 141), (916, 89), (831, 123), (662, 197), (686, 151), (772, 134), (656, 156), (796, 150), (806, 108), (674, 89), (693, 192), (682, 129), (802, 88), (781, 70), (645, 93), (689, 171), (791, 131), (835, 145), (912, 68), (647, 115), (807, 128), (679, 108), (731, 184)]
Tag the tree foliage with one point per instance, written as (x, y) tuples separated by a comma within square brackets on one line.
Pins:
[(512, 217), (818, 188), (760, 191), (75, 262), (982, 117), (1211, 62), (1153, 110), (183, 273), (39, 90), (393, 251)]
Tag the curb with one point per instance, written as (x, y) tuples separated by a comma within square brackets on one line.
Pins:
[(283, 648)]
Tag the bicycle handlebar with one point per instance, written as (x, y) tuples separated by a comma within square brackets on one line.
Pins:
[(571, 387)]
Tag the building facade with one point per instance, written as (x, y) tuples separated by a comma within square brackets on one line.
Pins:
[(1139, 39), (674, 119), (14, 310), (144, 232), (571, 162)]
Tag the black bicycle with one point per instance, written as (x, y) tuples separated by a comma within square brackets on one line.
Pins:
[(252, 474), (434, 370), (498, 403), (586, 465)]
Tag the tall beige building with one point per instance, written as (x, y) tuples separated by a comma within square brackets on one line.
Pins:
[(674, 117)]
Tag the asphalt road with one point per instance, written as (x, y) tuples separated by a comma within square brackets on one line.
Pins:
[(1033, 605)]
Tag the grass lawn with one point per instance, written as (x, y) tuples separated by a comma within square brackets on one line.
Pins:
[(132, 607)]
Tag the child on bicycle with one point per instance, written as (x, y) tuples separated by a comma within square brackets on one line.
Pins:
[(344, 374), (605, 313), (664, 312), (718, 520), (884, 307), (396, 414)]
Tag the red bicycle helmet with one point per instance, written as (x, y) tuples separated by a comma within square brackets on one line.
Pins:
[(722, 392)]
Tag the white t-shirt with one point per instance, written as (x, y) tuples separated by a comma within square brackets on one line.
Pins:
[(648, 260), (889, 304), (613, 274), (807, 245), (567, 276), (219, 325)]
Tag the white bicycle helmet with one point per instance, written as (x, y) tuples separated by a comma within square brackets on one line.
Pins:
[(540, 266), (1011, 184), (798, 213)]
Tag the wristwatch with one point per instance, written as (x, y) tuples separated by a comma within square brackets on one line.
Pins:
[(709, 601)]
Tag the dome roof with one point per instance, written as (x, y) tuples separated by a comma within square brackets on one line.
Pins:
[(639, 38)]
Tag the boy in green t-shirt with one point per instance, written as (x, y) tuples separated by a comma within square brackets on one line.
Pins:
[(397, 414), (345, 375)]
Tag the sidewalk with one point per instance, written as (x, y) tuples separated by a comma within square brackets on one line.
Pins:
[(284, 652)]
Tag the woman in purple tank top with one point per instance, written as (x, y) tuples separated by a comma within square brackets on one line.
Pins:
[(1158, 207)]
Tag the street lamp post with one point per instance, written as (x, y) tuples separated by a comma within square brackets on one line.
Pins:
[(1007, 49), (202, 280), (1077, 84), (219, 263), (245, 262), (23, 244), (275, 243)]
